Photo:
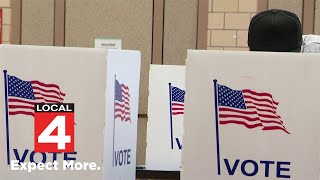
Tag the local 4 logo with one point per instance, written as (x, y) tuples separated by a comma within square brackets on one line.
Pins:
[(54, 127)]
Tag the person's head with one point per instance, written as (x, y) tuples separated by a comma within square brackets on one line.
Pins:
[(275, 30)]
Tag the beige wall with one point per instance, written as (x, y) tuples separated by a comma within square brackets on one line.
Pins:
[(180, 30), (6, 6), (228, 23), (37, 22), (290, 5), (317, 18), (141, 142), (87, 20)]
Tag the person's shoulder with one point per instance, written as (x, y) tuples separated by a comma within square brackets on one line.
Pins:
[(310, 38), (311, 43)]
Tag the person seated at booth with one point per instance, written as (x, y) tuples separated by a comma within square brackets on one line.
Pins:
[(275, 30)]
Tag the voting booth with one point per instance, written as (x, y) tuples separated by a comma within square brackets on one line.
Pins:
[(165, 117), (102, 84), (251, 115)]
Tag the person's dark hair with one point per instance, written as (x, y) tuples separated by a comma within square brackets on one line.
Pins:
[(275, 30)]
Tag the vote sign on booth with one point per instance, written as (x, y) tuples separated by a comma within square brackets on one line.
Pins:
[(251, 115), (165, 117), (68, 113), (54, 128)]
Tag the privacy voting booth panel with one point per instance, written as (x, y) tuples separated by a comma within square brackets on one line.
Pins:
[(165, 117), (92, 79), (251, 115)]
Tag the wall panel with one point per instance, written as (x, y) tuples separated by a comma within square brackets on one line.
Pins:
[(317, 18), (37, 26), (180, 30), (141, 142), (129, 20), (308, 16)]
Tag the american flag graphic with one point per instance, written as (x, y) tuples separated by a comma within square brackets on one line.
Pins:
[(177, 102), (122, 102), (22, 95), (248, 108)]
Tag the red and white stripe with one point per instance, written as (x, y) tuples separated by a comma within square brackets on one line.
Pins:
[(44, 93), (177, 108), (260, 112), (122, 109)]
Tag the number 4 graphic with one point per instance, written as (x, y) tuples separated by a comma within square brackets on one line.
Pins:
[(61, 139), (53, 132)]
